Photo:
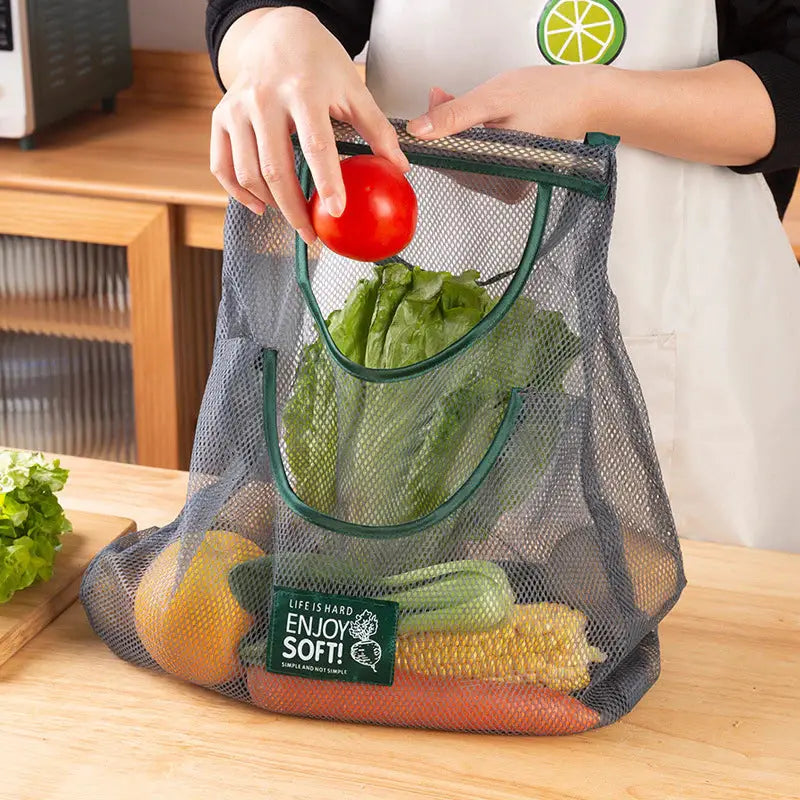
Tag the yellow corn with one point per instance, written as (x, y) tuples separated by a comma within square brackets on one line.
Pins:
[(544, 644)]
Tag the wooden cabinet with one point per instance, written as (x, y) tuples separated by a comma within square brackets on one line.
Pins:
[(136, 183), (172, 291)]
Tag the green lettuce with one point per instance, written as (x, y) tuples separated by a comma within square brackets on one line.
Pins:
[(399, 317), (31, 519), (419, 313), (311, 429)]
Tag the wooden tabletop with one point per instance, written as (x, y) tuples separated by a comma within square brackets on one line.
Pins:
[(156, 153), (722, 723), (150, 496), (791, 222)]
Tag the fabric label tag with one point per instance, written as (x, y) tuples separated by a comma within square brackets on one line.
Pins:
[(331, 637)]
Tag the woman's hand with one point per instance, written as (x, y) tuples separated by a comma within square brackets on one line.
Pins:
[(507, 190), (553, 101), (720, 114), (285, 72)]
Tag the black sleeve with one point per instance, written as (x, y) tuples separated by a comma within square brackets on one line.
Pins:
[(765, 35), (347, 20)]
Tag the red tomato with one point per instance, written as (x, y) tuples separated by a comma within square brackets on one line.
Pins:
[(380, 214)]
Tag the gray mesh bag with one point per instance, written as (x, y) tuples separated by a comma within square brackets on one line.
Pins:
[(423, 492)]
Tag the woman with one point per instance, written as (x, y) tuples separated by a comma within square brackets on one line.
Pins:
[(704, 96)]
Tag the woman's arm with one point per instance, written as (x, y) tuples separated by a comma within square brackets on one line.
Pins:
[(720, 114), (348, 20), (765, 35), (227, 51)]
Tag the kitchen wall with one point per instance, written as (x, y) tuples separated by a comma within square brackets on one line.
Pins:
[(168, 24), (171, 25)]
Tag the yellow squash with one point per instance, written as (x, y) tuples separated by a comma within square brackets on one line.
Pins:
[(192, 627)]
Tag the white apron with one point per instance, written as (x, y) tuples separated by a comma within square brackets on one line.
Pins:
[(708, 287)]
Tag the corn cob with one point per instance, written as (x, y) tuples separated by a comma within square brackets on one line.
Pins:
[(543, 644)]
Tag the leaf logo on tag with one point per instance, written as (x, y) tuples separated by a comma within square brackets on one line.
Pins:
[(332, 637), (365, 651)]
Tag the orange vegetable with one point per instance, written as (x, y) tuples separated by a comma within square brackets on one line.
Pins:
[(192, 628), (424, 702)]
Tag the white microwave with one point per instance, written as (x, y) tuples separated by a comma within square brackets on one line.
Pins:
[(58, 57)]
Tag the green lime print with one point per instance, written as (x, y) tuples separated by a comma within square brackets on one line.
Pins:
[(581, 31)]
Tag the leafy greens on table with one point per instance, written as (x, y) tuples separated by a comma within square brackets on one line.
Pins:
[(31, 519)]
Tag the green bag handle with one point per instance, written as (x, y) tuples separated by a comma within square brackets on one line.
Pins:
[(482, 328), (329, 523)]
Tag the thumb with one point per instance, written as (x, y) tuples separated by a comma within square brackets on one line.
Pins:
[(438, 96), (447, 118), (375, 129)]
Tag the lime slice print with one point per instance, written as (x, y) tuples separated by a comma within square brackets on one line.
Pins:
[(581, 31)]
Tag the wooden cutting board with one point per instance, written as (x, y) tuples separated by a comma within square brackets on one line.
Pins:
[(32, 609)]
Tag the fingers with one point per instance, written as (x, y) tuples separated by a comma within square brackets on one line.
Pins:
[(276, 163), (318, 143), (455, 115), (246, 166), (253, 159), (222, 167), (375, 129)]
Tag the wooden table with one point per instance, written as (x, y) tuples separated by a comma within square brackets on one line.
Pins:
[(722, 723)]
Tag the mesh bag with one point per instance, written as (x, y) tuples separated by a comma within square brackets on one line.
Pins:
[(420, 495)]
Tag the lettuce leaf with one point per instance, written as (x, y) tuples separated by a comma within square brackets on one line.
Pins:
[(400, 317), (31, 519), (436, 310), (311, 429)]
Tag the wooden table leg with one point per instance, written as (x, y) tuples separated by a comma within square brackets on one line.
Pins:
[(151, 269)]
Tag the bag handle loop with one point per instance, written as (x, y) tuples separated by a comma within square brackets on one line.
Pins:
[(481, 329)]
